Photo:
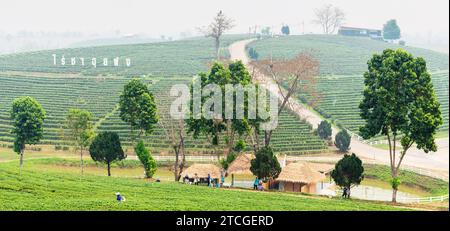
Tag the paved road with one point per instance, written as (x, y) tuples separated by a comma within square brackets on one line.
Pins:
[(437, 162)]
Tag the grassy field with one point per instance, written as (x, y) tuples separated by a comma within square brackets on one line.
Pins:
[(40, 187), (343, 60)]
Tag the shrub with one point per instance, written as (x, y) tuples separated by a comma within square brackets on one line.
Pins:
[(342, 141), (324, 130), (146, 159)]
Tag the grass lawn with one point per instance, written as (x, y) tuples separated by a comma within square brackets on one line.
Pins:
[(43, 186), (379, 175)]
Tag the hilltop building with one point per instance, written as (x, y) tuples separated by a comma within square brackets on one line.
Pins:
[(361, 32)]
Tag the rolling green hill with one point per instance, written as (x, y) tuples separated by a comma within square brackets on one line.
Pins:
[(342, 64), (160, 65), (182, 57)]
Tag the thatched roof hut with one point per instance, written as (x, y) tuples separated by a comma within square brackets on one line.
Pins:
[(322, 168), (202, 171), (241, 165), (300, 172)]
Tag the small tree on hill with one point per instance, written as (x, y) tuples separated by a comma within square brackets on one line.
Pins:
[(146, 159), (329, 18), (106, 148), (80, 130), (285, 30), (217, 28), (342, 140), (265, 164), (348, 172), (138, 108), (27, 117), (324, 130), (391, 31)]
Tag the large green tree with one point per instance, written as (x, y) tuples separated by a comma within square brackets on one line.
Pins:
[(348, 171), (79, 130), (106, 148), (223, 129), (138, 108), (391, 30), (27, 117), (400, 103)]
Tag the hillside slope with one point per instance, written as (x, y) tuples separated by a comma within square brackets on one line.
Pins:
[(343, 60)]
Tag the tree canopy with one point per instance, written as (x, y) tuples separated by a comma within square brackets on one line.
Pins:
[(285, 30), (213, 128), (348, 171), (27, 117), (265, 164), (391, 30), (399, 100), (138, 108), (106, 148), (79, 130), (324, 130), (342, 140)]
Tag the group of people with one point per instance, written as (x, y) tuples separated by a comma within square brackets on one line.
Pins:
[(257, 184), (346, 192), (211, 182)]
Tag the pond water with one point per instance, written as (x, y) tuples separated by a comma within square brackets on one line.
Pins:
[(364, 192)]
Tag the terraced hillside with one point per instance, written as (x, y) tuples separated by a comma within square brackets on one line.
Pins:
[(100, 95), (161, 65), (183, 57), (342, 63)]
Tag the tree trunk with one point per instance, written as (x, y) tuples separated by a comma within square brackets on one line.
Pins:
[(394, 195), (394, 189), (82, 162), (217, 43), (109, 168), (22, 150), (175, 166)]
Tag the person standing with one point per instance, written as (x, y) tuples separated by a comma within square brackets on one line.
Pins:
[(222, 180), (196, 179), (209, 180), (255, 183)]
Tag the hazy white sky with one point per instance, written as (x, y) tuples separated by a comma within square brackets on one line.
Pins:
[(170, 17)]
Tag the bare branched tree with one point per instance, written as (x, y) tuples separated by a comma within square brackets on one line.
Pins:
[(217, 28), (293, 76), (175, 132), (330, 18)]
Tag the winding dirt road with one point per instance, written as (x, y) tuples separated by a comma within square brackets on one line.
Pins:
[(434, 164)]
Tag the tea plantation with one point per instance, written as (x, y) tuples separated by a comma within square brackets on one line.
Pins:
[(59, 88), (342, 64)]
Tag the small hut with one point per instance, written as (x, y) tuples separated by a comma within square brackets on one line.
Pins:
[(202, 171), (240, 166), (299, 177)]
